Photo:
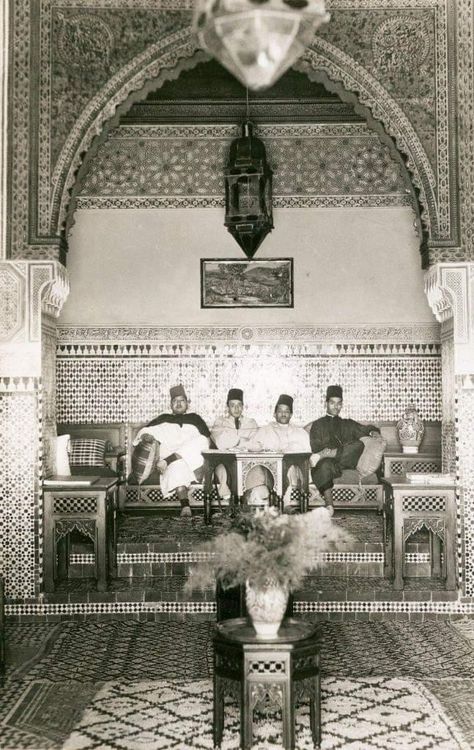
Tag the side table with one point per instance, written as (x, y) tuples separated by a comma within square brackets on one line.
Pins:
[(412, 506), (89, 507), (279, 671)]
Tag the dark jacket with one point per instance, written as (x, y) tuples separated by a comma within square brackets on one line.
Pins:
[(334, 432)]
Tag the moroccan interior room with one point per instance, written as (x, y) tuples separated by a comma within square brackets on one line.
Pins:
[(133, 139)]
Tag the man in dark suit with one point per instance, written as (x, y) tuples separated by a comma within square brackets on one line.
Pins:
[(335, 444)]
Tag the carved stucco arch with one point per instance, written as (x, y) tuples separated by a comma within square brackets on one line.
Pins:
[(168, 58)]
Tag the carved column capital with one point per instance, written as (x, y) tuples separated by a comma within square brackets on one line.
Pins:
[(53, 292), (449, 288)]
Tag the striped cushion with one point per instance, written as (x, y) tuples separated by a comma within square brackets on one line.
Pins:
[(87, 452), (144, 457)]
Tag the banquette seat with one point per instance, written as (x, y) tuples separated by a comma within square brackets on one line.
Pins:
[(351, 490)]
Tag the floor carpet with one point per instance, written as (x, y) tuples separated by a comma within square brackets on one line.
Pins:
[(55, 670), (371, 714), (168, 528)]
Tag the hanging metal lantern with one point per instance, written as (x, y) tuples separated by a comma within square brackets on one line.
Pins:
[(257, 40), (248, 192)]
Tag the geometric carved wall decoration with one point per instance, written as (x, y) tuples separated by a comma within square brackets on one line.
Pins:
[(139, 164), (12, 303)]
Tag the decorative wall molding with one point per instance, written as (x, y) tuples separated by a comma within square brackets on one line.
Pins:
[(217, 201), (385, 336), (19, 384)]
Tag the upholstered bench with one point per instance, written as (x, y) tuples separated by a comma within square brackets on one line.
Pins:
[(353, 491), (350, 490)]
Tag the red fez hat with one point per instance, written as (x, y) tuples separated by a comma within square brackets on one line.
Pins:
[(286, 400), (177, 390), (235, 394), (333, 391)]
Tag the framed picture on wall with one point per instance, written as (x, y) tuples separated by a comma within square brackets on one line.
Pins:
[(246, 283)]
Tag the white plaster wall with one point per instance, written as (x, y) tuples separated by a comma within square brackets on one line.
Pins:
[(143, 267)]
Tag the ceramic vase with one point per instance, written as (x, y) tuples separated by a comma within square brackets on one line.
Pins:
[(266, 607), (410, 430)]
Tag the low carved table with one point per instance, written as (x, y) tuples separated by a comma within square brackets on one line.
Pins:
[(90, 509), (277, 672), (240, 463)]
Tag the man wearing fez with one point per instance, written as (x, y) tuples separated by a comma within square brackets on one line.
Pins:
[(231, 432), (280, 435), (335, 444), (182, 436)]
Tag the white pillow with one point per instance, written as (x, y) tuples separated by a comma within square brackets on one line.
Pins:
[(62, 467)]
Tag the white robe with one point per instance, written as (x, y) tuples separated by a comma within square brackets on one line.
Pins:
[(279, 437), (282, 437), (226, 436), (188, 442)]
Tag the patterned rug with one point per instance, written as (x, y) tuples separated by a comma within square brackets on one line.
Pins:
[(55, 670), (371, 714), (130, 650), (154, 528)]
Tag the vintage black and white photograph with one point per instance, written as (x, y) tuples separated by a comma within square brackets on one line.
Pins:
[(236, 375), (247, 283)]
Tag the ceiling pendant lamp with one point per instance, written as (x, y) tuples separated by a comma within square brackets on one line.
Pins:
[(257, 40), (248, 192)]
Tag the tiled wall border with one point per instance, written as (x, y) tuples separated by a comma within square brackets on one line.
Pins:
[(207, 607)]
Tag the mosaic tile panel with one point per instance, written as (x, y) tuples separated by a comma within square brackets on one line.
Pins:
[(465, 469), (18, 479), (124, 389)]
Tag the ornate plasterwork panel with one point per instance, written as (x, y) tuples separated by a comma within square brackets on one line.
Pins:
[(313, 164), (154, 41), (12, 302), (383, 339), (384, 91), (465, 114)]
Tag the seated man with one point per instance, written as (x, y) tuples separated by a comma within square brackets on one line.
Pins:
[(280, 435), (232, 432), (336, 444), (182, 437)]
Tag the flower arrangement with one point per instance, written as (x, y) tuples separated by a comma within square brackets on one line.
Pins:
[(267, 548)]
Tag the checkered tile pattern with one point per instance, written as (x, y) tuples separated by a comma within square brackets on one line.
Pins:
[(424, 502), (74, 504)]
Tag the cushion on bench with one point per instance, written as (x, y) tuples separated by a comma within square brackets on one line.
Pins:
[(144, 458)]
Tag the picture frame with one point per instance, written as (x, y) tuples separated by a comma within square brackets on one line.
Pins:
[(235, 282)]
